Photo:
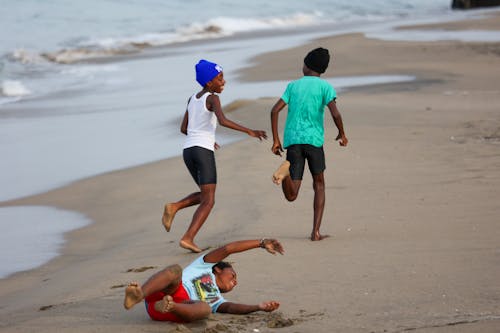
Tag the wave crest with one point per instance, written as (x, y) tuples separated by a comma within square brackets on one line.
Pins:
[(12, 88), (213, 28), (26, 57), (69, 56)]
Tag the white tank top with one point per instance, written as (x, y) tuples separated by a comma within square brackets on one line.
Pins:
[(201, 123)]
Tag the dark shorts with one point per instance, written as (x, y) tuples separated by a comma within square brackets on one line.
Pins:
[(201, 165), (179, 296), (298, 154)]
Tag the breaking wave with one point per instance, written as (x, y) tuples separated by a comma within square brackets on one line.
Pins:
[(11, 88), (213, 28)]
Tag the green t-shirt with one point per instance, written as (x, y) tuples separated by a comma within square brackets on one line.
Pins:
[(306, 99)]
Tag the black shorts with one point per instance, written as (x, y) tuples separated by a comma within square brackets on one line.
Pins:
[(201, 165), (298, 154)]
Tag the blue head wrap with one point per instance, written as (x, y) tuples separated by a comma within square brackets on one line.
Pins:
[(206, 71)]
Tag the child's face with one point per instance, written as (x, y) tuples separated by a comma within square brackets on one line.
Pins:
[(217, 83), (226, 279)]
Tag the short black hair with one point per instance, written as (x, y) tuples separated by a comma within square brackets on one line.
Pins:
[(317, 60), (221, 265)]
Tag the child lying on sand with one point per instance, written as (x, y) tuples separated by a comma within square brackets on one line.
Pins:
[(177, 295)]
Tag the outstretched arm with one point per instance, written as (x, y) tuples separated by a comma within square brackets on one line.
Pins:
[(271, 245), (213, 104), (337, 118), (236, 308), (277, 149)]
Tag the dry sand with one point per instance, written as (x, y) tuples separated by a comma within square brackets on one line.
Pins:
[(412, 205)]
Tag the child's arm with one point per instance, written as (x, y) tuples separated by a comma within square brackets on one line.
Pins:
[(213, 104), (277, 149), (184, 124), (235, 308), (271, 245), (337, 118)]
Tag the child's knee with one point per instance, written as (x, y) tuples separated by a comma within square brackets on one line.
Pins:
[(199, 310), (207, 310), (175, 270), (319, 186), (209, 202), (318, 183)]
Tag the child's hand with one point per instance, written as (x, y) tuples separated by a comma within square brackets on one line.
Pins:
[(258, 134), (277, 149), (272, 246), (269, 306), (343, 140)]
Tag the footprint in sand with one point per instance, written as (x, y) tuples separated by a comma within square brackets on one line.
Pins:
[(140, 269)]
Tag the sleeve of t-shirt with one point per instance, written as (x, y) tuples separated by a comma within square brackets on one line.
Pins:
[(330, 94), (286, 95), (198, 265)]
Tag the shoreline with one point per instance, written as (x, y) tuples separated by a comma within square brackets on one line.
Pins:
[(437, 133), (114, 156)]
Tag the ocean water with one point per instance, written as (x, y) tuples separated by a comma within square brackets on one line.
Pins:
[(45, 239), (88, 87)]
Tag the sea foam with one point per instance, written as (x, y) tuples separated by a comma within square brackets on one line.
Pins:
[(12, 88), (217, 27)]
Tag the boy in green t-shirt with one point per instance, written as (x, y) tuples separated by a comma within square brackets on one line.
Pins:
[(304, 132)]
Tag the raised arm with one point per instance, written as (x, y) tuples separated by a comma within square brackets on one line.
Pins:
[(277, 149), (337, 118), (271, 245), (213, 104)]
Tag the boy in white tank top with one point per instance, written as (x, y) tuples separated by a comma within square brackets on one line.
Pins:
[(203, 112)]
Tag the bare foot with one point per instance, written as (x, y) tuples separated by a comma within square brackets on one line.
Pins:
[(281, 173), (168, 216), (318, 237), (165, 305), (190, 246), (133, 295)]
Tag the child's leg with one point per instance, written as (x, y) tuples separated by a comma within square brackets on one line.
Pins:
[(133, 295), (290, 187), (172, 208), (282, 172), (290, 173), (167, 280), (207, 201), (319, 206), (189, 311)]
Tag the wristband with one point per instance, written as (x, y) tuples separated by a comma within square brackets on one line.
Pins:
[(262, 244)]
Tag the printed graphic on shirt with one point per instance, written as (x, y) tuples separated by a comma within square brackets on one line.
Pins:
[(206, 289)]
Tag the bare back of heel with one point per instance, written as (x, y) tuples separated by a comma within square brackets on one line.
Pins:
[(190, 246), (168, 217)]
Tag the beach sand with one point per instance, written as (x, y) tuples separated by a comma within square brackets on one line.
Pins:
[(412, 205)]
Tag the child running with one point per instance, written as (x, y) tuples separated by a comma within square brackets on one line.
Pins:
[(199, 125), (304, 132), (177, 295)]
